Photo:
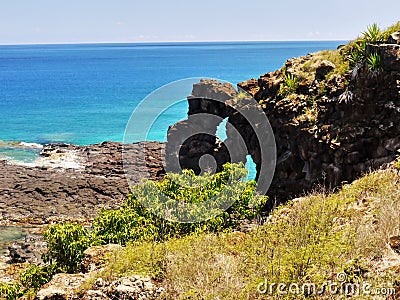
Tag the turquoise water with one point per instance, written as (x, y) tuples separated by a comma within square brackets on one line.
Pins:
[(10, 234), (85, 93)]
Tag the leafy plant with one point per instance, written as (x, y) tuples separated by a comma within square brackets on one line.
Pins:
[(310, 239), (10, 291), (143, 217), (35, 276), (357, 53), (66, 243), (123, 225), (373, 34), (290, 84), (374, 63)]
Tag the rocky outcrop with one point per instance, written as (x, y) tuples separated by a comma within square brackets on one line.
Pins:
[(62, 287), (73, 182), (95, 257), (348, 128), (394, 243), (394, 38), (323, 69), (330, 130), (125, 288), (68, 287), (389, 54)]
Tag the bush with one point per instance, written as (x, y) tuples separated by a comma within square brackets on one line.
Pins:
[(66, 243), (35, 276), (10, 291), (123, 225), (309, 240), (134, 222)]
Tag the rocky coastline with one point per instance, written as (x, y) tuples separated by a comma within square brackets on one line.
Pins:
[(73, 183)]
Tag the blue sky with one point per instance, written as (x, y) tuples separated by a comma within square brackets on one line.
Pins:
[(77, 21)]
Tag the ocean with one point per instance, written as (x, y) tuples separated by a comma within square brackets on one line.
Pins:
[(85, 93)]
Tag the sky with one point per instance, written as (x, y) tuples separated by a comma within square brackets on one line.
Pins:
[(94, 21)]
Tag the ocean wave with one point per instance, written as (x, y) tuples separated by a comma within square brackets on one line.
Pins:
[(20, 145)]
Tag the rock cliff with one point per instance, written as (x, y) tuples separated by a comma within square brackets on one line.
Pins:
[(331, 122)]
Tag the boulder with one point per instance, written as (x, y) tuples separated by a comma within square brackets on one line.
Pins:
[(394, 38), (61, 287), (394, 243), (95, 257), (68, 287)]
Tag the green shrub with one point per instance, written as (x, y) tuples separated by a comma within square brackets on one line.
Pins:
[(374, 63), (30, 281), (10, 291), (356, 53), (123, 225), (35, 276), (373, 34), (66, 243), (290, 84), (142, 217), (310, 239)]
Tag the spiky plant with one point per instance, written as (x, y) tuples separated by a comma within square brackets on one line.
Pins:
[(374, 63), (373, 34)]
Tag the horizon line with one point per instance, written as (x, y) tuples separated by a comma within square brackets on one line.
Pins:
[(172, 42)]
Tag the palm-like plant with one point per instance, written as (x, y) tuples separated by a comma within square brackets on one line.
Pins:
[(373, 34), (357, 54), (374, 63), (290, 84)]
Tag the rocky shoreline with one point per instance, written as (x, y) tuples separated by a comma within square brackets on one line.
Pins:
[(73, 183)]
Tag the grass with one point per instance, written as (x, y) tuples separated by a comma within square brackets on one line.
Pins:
[(307, 70), (310, 239), (309, 115), (391, 29)]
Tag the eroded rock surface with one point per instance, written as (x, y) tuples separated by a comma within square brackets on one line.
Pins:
[(73, 182)]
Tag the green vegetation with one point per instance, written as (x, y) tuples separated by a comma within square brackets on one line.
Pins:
[(140, 218), (391, 29), (290, 84), (357, 54), (66, 243), (134, 223), (373, 34), (306, 241), (307, 70), (374, 63), (355, 51), (9, 291), (31, 279)]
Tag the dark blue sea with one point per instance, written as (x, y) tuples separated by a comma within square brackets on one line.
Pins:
[(85, 93)]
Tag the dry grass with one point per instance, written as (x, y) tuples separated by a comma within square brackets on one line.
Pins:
[(308, 240), (391, 29), (309, 115), (306, 70)]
